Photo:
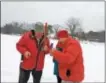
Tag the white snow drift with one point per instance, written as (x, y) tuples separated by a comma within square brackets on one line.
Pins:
[(94, 61)]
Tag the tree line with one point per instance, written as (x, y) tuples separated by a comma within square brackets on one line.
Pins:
[(73, 26)]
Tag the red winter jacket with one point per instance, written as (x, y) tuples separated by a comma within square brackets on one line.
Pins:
[(70, 60), (26, 43)]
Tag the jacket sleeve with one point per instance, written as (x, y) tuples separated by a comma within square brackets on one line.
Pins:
[(67, 57), (47, 42), (21, 45)]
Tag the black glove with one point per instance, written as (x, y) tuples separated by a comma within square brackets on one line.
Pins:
[(68, 73)]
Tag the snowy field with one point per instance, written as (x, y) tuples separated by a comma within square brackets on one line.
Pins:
[(94, 61)]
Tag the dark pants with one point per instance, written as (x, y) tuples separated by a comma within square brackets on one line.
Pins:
[(59, 80), (25, 74)]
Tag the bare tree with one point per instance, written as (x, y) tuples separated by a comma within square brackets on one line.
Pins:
[(56, 27), (73, 23), (39, 27), (50, 30)]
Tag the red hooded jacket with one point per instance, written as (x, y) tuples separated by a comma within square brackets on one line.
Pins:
[(26, 43), (71, 60)]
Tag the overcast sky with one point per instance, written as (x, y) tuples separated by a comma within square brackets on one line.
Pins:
[(91, 13)]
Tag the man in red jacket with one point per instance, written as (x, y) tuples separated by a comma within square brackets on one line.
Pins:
[(69, 58), (28, 47)]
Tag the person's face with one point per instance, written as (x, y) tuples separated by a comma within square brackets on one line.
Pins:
[(62, 40)]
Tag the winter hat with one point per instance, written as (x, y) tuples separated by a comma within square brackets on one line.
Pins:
[(62, 34)]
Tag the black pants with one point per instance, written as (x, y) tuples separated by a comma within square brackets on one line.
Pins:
[(25, 74), (59, 80)]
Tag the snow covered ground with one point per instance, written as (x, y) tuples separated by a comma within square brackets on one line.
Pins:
[(94, 61)]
